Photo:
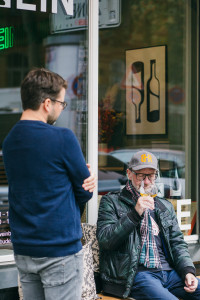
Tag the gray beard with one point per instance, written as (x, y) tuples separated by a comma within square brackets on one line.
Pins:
[(147, 189), (136, 187)]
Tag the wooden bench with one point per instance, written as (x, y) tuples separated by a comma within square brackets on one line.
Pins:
[(103, 297), (107, 297)]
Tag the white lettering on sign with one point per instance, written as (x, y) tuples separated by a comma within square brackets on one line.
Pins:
[(67, 4), (183, 214), (7, 3), (25, 6), (20, 4), (43, 5)]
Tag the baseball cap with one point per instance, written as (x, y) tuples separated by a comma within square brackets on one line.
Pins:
[(143, 159)]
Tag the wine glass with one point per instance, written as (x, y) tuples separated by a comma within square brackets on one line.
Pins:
[(150, 191)]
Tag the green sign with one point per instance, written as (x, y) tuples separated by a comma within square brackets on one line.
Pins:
[(6, 37)]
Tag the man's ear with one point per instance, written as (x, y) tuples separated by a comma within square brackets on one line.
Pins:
[(47, 104), (128, 172)]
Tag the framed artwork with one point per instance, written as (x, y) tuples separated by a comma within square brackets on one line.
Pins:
[(146, 91)]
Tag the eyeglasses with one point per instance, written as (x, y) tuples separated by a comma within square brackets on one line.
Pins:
[(141, 176), (63, 103)]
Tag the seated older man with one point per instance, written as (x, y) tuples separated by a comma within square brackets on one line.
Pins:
[(142, 250)]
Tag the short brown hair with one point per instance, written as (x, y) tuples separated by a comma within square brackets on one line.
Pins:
[(38, 85)]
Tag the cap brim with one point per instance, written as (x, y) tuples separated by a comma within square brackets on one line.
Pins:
[(143, 167)]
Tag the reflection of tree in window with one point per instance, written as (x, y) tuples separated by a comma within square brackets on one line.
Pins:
[(17, 67)]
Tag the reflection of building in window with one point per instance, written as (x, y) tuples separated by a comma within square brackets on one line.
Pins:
[(17, 68)]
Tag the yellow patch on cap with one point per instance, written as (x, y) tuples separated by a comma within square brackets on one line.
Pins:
[(146, 157)]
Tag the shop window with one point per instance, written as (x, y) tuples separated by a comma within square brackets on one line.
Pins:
[(41, 39), (148, 100)]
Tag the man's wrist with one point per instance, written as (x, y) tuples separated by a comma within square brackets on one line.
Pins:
[(187, 270)]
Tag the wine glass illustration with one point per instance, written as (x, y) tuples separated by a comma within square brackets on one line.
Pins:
[(137, 86), (153, 95)]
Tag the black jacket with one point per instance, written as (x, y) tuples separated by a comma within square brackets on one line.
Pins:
[(120, 243)]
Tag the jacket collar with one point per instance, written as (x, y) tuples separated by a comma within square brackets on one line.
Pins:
[(126, 196)]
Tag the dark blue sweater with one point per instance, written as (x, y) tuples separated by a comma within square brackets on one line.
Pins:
[(45, 169)]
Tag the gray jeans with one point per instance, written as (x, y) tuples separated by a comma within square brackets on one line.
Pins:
[(56, 278)]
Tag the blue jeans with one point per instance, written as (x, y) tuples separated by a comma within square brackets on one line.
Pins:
[(163, 285), (56, 278)]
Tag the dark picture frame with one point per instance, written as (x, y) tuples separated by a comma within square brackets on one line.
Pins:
[(146, 101)]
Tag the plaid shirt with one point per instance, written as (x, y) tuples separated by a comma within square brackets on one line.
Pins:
[(149, 256)]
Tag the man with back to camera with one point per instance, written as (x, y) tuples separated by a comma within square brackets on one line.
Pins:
[(142, 250), (48, 183)]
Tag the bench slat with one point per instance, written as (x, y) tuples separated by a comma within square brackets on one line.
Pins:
[(103, 297), (107, 297)]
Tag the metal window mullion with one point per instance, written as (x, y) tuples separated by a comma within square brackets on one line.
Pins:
[(93, 28), (198, 120), (188, 102)]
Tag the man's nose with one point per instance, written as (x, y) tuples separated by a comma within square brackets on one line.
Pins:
[(146, 180)]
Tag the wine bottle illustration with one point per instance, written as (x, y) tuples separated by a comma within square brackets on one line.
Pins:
[(137, 88), (153, 95)]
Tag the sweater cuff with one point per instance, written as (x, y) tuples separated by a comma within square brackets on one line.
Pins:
[(187, 270), (134, 216)]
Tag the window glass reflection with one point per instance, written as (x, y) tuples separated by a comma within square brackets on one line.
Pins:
[(38, 43), (128, 119)]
